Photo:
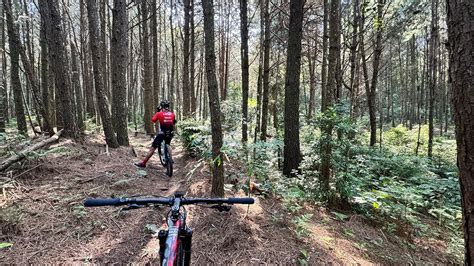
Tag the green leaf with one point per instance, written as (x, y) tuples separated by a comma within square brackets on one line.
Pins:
[(376, 205), (5, 245)]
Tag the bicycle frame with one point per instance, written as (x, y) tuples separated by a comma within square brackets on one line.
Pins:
[(175, 241)]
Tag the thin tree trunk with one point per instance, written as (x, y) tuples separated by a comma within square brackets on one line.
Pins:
[(119, 49), (192, 62), (185, 76), (353, 55), (173, 59), (244, 55), (13, 41), (324, 52), (326, 128), (266, 73), (217, 163), (156, 72), (147, 72), (371, 94), (432, 73), (291, 155), (3, 88), (94, 39), (260, 71)]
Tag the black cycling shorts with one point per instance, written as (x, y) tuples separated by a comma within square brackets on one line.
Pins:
[(167, 136)]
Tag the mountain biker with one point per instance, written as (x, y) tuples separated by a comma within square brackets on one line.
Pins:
[(167, 123)]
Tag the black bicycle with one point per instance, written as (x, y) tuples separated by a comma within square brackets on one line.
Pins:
[(175, 241), (164, 154)]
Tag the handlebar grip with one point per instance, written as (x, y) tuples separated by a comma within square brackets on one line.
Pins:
[(103, 202), (241, 201)]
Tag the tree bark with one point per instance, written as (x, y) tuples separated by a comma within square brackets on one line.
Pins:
[(3, 89), (58, 57), (331, 91), (217, 163), (292, 156), (77, 87), (461, 56), (147, 72), (102, 102), (156, 72), (432, 73), (119, 50), (244, 55), (266, 73), (371, 93), (353, 55), (192, 63), (13, 41), (324, 66), (186, 88)]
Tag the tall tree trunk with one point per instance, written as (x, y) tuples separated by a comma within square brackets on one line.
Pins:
[(266, 73), (34, 87), (353, 55), (371, 94), (312, 54), (3, 88), (260, 71), (331, 88), (147, 69), (102, 102), (58, 57), (185, 76), (119, 49), (46, 90), (156, 72), (173, 60), (324, 52), (191, 63), (432, 73), (86, 79), (244, 55), (77, 87), (103, 44), (461, 56), (291, 155), (13, 41), (217, 163)]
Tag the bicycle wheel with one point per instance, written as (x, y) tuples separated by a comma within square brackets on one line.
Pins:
[(161, 154), (181, 261), (169, 162)]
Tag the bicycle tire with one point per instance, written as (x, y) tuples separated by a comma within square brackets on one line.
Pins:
[(160, 154), (169, 163), (180, 260)]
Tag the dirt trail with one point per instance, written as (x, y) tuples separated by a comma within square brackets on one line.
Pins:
[(44, 218)]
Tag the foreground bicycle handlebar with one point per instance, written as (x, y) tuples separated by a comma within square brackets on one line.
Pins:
[(175, 240), (164, 201)]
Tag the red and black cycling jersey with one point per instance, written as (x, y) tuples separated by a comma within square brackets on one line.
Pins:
[(166, 119)]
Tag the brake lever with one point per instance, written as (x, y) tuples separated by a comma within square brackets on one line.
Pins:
[(222, 208)]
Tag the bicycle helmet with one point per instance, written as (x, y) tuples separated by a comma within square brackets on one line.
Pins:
[(165, 104)]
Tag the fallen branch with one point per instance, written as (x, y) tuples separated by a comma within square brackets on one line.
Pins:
[(21, 155)]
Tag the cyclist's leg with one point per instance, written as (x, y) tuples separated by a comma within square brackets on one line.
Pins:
[(151, 151)]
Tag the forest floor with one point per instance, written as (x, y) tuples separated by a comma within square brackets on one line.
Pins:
[(42, 216)]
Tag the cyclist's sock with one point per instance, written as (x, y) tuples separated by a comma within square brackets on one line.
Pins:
[(145, 161)]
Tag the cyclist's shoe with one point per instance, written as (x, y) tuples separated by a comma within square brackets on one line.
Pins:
[(140, 164)]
